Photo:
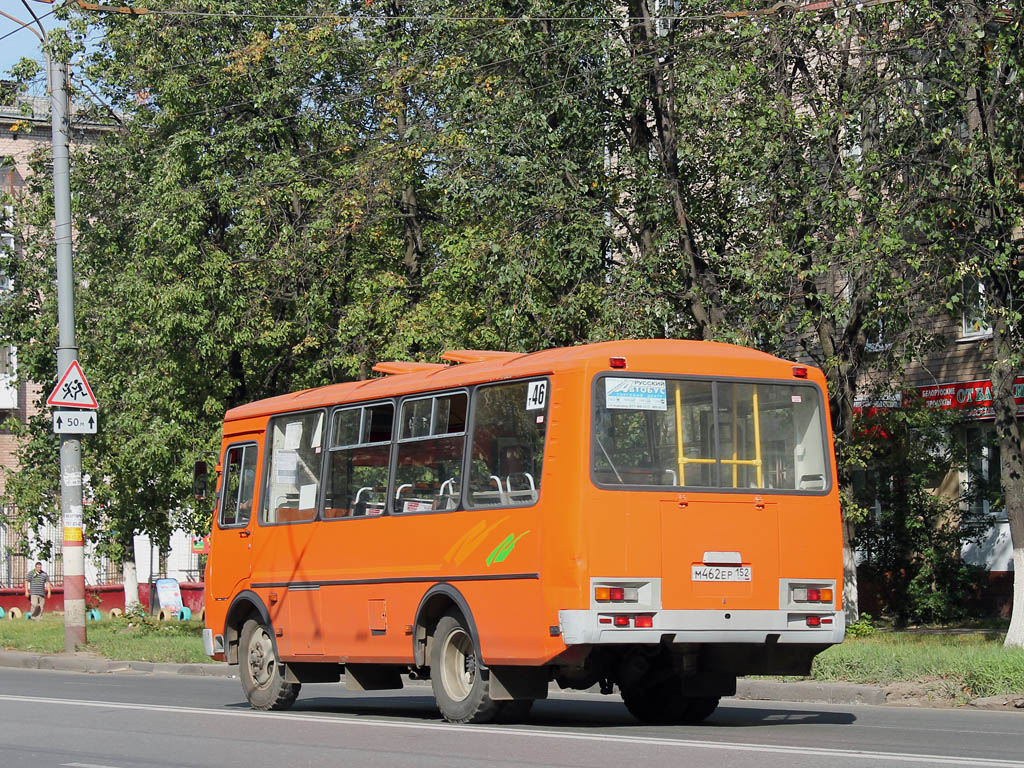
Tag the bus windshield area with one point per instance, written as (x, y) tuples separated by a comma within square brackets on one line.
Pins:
[(650, 431)]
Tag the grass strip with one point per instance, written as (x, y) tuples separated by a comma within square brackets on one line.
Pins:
[(967, 665), (131, 638)]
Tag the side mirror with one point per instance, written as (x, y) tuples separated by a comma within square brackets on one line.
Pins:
[(200, 477)]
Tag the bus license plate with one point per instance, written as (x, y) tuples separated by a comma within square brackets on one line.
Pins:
[(721, 573)]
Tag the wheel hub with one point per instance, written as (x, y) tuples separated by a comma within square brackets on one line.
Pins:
[(458, 664), (261, 659)]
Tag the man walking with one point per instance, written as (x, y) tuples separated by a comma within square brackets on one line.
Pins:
[(37, 585)]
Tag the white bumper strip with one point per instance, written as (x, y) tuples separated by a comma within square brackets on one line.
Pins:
[(583, 627)]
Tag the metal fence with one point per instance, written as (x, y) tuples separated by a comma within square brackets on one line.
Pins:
[(20, 549)]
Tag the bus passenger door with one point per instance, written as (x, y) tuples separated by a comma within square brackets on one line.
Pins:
[(231, 545)]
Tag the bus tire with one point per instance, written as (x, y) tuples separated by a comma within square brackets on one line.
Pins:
[(665, 704), (515, 711), (460, 690), (699, 709), (261, 672)]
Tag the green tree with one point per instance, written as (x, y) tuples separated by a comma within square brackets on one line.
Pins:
[(910, 543), (977, 215)]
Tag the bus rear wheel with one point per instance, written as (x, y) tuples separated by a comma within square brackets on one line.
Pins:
[(461, 692), (665, 704), (261, 672)]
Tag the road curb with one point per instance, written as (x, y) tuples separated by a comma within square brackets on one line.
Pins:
[(809, 692), (755, 690), (92, 665)]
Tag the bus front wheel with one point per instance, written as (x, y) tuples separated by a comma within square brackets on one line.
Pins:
[(260, 671), (461, 692)]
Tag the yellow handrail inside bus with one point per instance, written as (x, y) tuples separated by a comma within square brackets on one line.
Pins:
[(735, 461), (680, 459), (757, 438), (735, 445)]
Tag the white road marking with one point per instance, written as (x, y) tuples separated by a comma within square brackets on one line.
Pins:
[(86, 765), (478, 730)]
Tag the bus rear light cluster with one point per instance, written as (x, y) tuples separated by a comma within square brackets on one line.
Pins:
[(812, 595), (616, 594), (642, 621), (818, 621)]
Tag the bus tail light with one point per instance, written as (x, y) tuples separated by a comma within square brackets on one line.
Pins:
[(814, 621), (643, 622), (617, 362), (616, 594), (621, 621), (800, 371), (812, 595)]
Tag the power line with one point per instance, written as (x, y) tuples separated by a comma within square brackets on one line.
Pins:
[(23, 24)]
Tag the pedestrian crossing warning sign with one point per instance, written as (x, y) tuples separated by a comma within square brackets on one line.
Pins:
[(73, 390)]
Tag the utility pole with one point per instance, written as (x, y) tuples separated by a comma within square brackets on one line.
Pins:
[(67, 354)]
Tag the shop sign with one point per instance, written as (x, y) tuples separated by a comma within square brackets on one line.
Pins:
[(973, 397)]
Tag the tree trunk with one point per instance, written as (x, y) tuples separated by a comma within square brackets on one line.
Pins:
[(1015, 635), (131, 583), (851, 604), (1011, 453)]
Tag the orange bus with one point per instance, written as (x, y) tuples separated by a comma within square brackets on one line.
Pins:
[(654, 516)]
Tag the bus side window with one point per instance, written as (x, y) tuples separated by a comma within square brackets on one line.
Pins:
[(237, 486), (358, 469), (508, 445), (293, 487), (428, 471)]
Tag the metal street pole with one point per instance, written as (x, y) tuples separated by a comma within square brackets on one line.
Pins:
[(67, 353)]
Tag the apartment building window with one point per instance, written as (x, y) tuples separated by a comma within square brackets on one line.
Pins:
[(975, 309), (983, 474)]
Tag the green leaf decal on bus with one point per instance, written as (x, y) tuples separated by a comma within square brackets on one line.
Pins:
[(504, 549)]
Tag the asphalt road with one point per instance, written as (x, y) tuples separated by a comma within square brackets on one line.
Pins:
[(67, 720)]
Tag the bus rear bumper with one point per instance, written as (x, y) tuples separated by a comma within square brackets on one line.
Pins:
[(743, 627)]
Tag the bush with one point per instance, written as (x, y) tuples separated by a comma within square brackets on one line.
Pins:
[(862, 627)]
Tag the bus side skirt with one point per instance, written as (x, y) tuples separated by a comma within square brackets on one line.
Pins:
[(373, 677)]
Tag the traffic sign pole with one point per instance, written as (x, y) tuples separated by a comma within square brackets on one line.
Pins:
[(67, 355)]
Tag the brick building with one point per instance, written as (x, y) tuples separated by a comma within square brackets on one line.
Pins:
[(21, 136), (956, 378)]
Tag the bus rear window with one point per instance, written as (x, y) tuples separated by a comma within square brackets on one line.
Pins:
[(708, 434)]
